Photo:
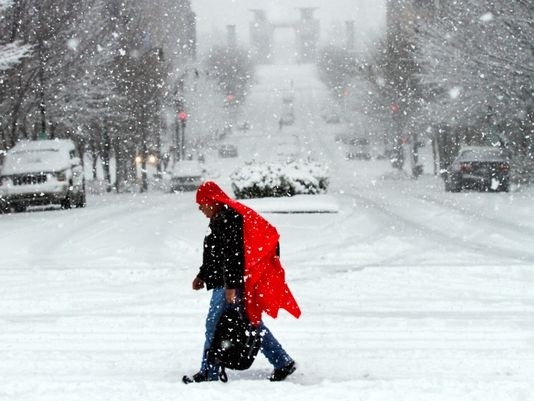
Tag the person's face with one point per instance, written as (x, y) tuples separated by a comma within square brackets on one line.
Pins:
[(208, 210)]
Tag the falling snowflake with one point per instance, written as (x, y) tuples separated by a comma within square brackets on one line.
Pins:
[(455, 92), (487, 17), (73, 44)]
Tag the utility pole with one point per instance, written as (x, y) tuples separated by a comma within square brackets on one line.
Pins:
[(180, 105), (182, 118), (42, 95), (177, 134), (349, 33), (231, 36)]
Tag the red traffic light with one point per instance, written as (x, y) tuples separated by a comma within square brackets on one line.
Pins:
[(182, 115)]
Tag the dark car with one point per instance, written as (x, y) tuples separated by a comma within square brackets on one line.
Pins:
[(332, 118), (484, 168), (287, 118), (227, 150), (359, 148)]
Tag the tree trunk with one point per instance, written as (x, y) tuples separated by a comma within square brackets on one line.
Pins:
[(118, 167), (435, 155), (144, 152), (106, 156), (94, 163)]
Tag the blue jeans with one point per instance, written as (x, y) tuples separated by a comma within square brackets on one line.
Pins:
[(270, 346)]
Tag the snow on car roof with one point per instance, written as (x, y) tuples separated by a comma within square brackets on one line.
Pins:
[(37, 156), (46, 144), (187, 168), (482, 153)]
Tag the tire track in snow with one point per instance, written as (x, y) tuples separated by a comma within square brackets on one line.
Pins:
[(105, 227), (519, 229), (445, 235)]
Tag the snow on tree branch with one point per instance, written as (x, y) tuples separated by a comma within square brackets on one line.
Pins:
[(5, 4), (481, 53), (11, 54)]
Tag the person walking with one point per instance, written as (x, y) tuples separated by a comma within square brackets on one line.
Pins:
[(241, 265)]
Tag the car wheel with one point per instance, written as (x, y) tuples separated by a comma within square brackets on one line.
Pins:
[(19, 208), (4, 206), (505, 186), (452, 186), (66, 204)]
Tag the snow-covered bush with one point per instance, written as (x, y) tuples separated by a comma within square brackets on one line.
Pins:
[(261, 180)]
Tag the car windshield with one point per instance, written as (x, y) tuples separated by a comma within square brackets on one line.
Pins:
[(187, 168)]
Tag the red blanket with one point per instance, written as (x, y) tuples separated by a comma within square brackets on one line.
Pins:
[(266, 289)]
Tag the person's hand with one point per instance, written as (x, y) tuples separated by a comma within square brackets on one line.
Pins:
[(198, 284), (230, 295)]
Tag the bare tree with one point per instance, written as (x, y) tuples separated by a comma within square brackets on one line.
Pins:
[(478, 69), (337, 68), (11, 51), (95, 74), (232, 68)]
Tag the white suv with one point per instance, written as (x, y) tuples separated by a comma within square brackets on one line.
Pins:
[(187, 175), (41, 173)]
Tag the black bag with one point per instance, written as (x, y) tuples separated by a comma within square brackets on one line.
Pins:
[(236, 341)]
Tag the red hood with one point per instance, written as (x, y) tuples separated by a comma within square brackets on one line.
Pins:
[(265, 287)]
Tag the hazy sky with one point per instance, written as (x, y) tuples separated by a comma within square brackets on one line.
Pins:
[(214, 15)]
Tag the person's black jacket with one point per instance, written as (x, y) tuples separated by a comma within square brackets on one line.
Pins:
[(223, 259)]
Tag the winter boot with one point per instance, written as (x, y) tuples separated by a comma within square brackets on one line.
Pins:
[(281, 373)]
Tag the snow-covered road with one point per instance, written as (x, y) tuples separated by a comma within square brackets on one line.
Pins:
[(408, 293)]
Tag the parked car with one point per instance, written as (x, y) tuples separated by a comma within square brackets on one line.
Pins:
[(344, 138), (227, 150), (288, 97), (42, 172), (243, 125), (287, 118), (359, 148), (485, 168), (332, 118), (186, 175)]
